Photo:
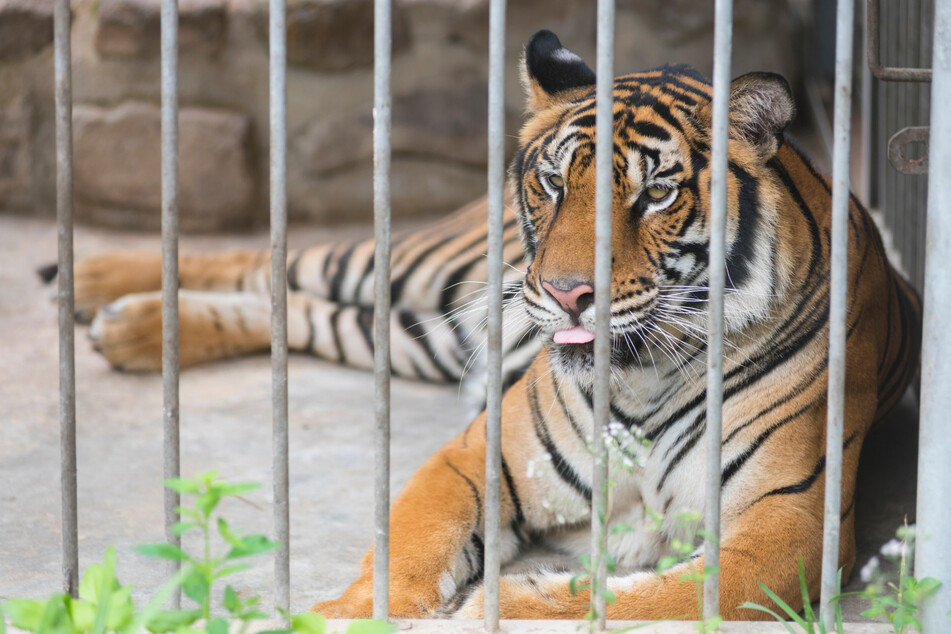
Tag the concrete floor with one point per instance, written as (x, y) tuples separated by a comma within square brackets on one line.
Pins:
[(225, 413)]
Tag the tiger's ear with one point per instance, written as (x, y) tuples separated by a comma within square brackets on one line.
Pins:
[(761, 106), (550, 72)]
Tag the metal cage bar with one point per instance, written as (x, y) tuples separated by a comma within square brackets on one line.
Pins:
[(493, 419), (837, 306), (886, 73), (278, 120), (933, 556), (171, 454), (722, 52), (382, 50), (62, 21), (604, 193)]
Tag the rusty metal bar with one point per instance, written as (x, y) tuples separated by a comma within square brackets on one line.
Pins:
[(62, 21), (837, 308), (933, 556), (493, 410), (604, 193), (382, 102), (170, 341), (722, 52), (886, 73), (278, 120)]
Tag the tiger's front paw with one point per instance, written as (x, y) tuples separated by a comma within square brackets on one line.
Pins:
[(528, 596), (128, 332), (340, 609), (101, 279), (357, 603)]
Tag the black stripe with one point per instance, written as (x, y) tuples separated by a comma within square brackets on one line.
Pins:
[(292, 282), (335, 330), (475, 492), (337, 281), (513, 494), (410, 323), (561, 465)]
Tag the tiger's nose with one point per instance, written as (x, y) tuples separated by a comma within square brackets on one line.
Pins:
[(573, 294)]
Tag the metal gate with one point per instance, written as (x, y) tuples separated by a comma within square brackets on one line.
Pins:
[(934, 499)]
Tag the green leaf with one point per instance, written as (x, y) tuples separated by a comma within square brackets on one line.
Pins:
[(172, 620), (231, 601), (25, 614), (188, 512), (756, 606), (182, 485), (228, 570), (195, 587), (107, 587), (55, 619), (90, 588), (308, 623), (180, 528), (3, 623), (251, 545), (121, 608), (162, 551), (785, 607), (154, 606), (206, 502), (806, 603), (370, 626), (239, 488), (217, 626)]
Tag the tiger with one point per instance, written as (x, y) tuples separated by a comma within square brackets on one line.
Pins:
[(775, 362), (775, 349)]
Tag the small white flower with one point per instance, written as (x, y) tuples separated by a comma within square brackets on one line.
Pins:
[(869, 569), (895, 548)]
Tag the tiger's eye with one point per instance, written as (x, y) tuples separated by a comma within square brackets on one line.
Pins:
[(556, 181), (656, 193)]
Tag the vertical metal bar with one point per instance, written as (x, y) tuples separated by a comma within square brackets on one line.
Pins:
[(933, 556), (64, 228), (837, 306), (278, 88), (722, 51), (493, 411), (382, 48), (604, 199), (170, 367)]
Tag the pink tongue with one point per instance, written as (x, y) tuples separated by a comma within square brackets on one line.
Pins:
[(574, 335)]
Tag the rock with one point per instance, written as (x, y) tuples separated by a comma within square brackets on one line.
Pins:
[(117, 166), (15, 135), (26, 27), (448, 123), (335, 35), (419, 187), (132, 28)]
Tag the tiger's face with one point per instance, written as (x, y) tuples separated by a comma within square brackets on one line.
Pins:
[(660, 207)]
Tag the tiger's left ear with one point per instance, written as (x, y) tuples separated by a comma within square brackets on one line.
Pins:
[(551, 73), (761, 106)]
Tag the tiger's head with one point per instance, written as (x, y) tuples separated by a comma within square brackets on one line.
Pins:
[(660, 208)]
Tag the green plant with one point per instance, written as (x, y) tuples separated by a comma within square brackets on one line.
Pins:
[(897, 601), (682, 553), (105, 605), (808, 621)]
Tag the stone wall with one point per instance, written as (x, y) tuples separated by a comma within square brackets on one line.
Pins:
[(439, 98)]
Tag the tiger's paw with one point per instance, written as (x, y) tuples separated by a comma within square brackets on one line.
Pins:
[(357, 603), (128, 333), (102, 279), (526, 596)]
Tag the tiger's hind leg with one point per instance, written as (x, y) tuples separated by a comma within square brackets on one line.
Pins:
[(103, 278), (128, 332), (213, 325)]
